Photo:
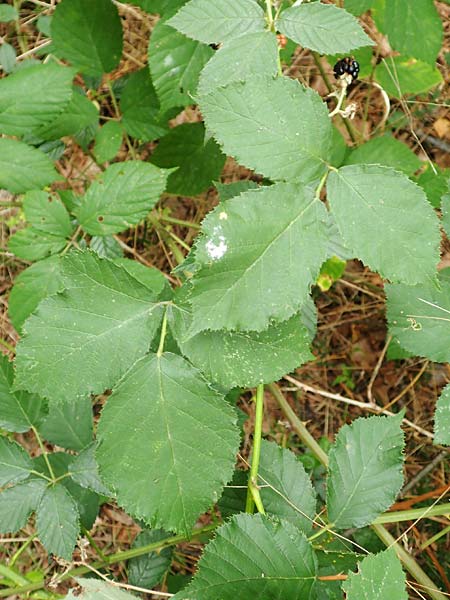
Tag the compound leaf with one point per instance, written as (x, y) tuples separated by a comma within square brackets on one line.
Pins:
[(382, 215), (385, 150), (121, 197), (47, 213), (84, 471), (379, 577), (271, 241), (289, 486), (285, 137), (178, 441), (255, 557), (24, 168), (414, 29), (15, 464), (442, 418), (238, 59), (242, 358), (139, 105), (69, 424), (365, 470), (324, 28), (211, 21), (148, 570), (57, 521), (88, 34), (198, 162), (418, 318), (19, 411), (175, 63), (18, 502), (33, 96), (66, 349)]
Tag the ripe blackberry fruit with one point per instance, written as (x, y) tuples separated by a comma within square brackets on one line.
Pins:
[(346, 65)]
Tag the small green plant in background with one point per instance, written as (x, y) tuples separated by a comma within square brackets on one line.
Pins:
[(236, 312)]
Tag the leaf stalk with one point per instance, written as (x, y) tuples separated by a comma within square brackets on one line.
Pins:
[(253, 495)]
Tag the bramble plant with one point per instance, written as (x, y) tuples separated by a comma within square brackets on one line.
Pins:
[(236, 313)]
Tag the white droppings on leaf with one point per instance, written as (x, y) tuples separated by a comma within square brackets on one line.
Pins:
[(216, 246), (223, 216), (168, 61)]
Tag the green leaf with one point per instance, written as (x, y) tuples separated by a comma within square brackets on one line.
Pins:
[(365, 471), (121, 197), (24, 168), (419, 318), (84, 471), (108, 141), (286, 136), (388, 151), (8, 13), (32, 97), (234, 495), (47, 213), (152, 278), (57, 521), (240, 58), (87, 34), (30, 287), (239, 358), (175, 64), (414, 29), (199, 162), (106, 246), (243, 250), (370, 203), (179, 428), (380, 577), (211, 21), (290, 495), (15, 464), (32, 244), (8, 57), (147, 570), (401, 76), (230, 190), (358, 7), (436, 184), (324, 28), (66, 349), (87, 502), (18, 502), (446, 208), (140, 107), (79, 114), (334, 558), (19, 411), (96, 589), (255, 557), (442, 418), (69, 424)]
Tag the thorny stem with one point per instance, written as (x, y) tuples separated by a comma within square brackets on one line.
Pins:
[(407, 560), (110, 560), (253, 496), (44, 453)]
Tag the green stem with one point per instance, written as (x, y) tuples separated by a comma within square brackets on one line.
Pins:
[(44, 452), (118, 116), (112, 559), (407, 560), (163, 335), (12, 575), (321, 184), (94, 544), (253, 497), (298, 426), (20, 551), (413, 514), (179, 222), (269, 15)]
